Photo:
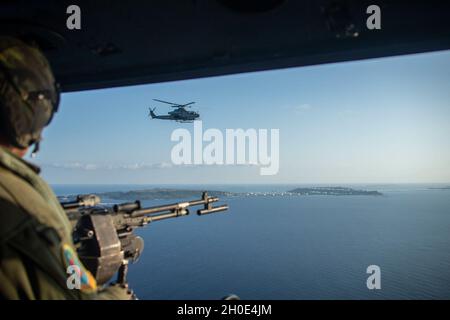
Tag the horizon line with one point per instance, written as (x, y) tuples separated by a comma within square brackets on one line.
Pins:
[(240, 183)]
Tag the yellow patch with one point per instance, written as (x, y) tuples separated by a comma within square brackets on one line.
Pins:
[(87, 281)]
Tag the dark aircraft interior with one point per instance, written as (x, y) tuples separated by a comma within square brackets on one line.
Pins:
[(164, 40)]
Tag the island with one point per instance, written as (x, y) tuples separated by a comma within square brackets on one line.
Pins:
[(440, 188), (160, 194), (333, 191), (168, 193)]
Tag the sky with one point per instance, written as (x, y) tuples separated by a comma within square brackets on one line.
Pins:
[(372, 121)]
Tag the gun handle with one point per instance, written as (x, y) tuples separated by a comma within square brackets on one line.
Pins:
[(122, 274)]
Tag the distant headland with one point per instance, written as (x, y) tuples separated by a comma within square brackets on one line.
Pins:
[(165, 193), (440, 188), (334, 191)]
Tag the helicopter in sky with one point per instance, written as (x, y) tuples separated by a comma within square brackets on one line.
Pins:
[(180, 114)]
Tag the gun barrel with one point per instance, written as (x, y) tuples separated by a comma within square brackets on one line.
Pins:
[(133, 211), (159, 209), (203, 201), (212, 210), (164, 216), (174, 207)]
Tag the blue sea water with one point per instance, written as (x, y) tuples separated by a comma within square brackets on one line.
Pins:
[(302, 247)]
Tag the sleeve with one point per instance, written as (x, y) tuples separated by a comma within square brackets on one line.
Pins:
[(20, 278), (30, 269)]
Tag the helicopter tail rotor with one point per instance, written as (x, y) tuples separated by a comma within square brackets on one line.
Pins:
[(151, 112)]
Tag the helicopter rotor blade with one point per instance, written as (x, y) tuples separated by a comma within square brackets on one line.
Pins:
[(187, 104), (174, 104)]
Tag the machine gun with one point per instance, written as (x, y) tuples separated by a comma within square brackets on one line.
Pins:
[(104, 235)]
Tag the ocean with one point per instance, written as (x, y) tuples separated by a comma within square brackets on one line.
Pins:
[(297, 247)]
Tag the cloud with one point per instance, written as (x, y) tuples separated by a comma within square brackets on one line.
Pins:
[(299, 108), (132, 166), (93, 166), (303, 107), (163, 165)]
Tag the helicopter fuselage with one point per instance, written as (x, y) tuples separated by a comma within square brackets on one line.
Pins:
[(180, 114)]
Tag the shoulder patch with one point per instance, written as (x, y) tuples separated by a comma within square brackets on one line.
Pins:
[(87, 282)]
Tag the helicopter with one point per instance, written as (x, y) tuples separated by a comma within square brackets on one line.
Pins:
[(180, 114)]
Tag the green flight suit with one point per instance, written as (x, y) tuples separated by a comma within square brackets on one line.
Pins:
[(34, 231)]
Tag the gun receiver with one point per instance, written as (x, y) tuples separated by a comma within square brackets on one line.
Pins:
[(104, 234)]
